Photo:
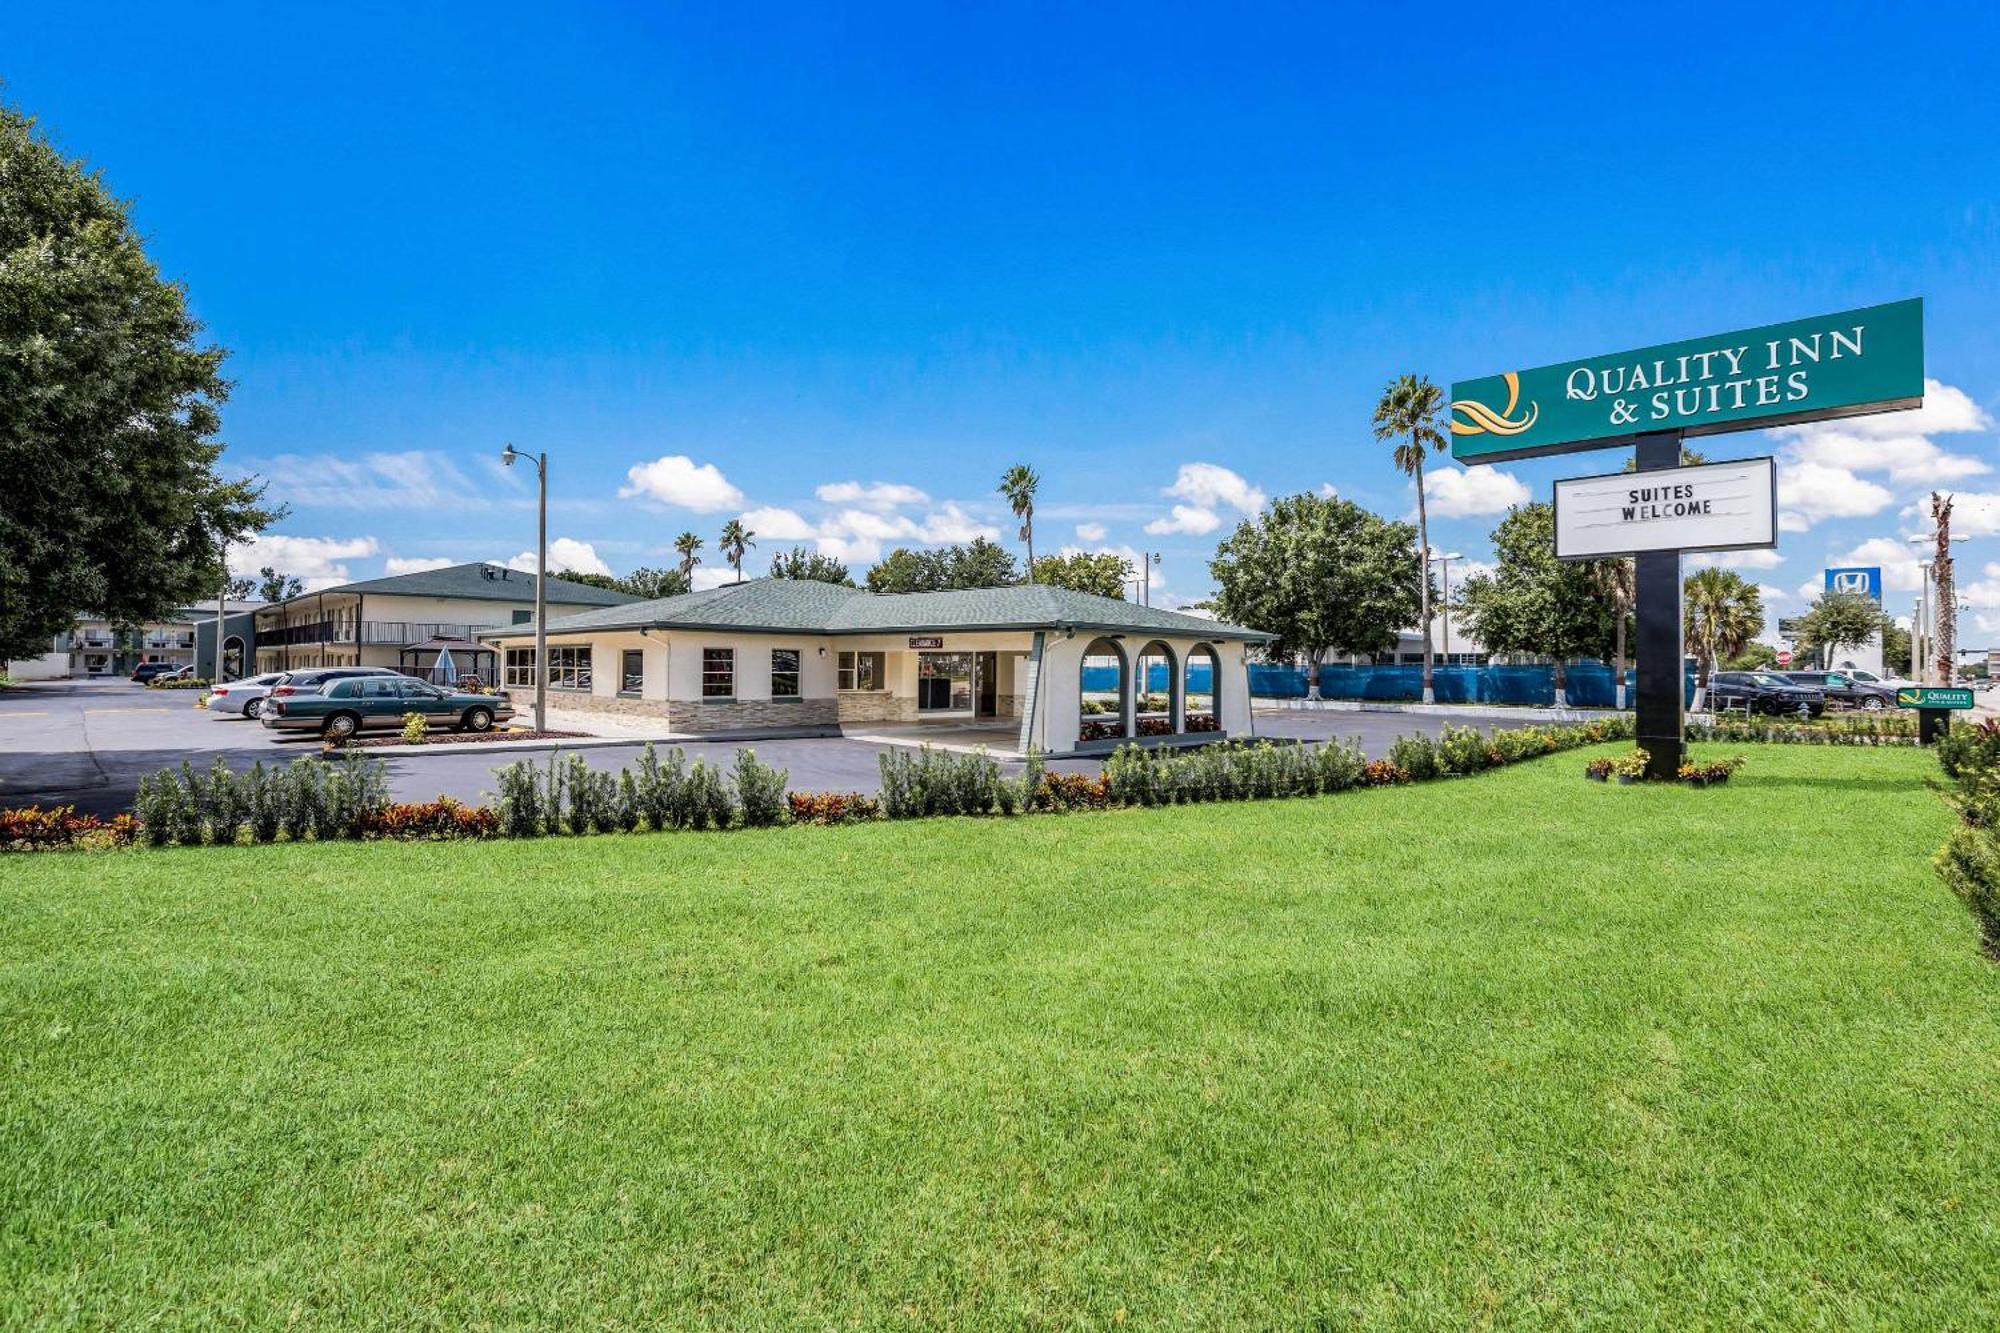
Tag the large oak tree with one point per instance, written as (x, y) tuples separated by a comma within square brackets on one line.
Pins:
[(109, 406)]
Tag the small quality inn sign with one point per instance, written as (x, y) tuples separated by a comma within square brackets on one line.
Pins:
[(1858, 361)]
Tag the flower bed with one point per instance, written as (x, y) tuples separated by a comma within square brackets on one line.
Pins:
[(462, 738), (346, 796)]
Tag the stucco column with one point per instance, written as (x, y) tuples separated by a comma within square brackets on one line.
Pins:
[(1177, 662)]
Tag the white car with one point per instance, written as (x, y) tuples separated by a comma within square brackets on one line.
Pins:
[(1870, 678), (242, 698)]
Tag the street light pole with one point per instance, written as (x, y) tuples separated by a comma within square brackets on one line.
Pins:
[(541, 462)]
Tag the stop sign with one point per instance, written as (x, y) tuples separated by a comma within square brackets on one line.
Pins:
[(1784, 657)]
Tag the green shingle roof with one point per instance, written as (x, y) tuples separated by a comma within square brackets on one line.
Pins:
[(823, 608), (484, 582)]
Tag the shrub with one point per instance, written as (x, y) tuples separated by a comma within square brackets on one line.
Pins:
[(1061, 793), (1969, 864), (32, 828), (832, 807), (1898, 728), (704, 799), (1384, 773), (442, 820), (1464, 751), (760, 791), (414, 728), (1417, 756), (1202, 722), (309, 797), (937, 782), (590, 795), (518, 806), (262, 809)]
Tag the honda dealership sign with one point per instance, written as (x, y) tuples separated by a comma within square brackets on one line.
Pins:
[(1713, 507), (1865, 580), (1869, 360)]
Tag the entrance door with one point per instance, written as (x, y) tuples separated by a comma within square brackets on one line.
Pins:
[(944, 683), (988, 691)]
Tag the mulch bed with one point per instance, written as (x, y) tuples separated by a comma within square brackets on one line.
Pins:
[(464, 738)]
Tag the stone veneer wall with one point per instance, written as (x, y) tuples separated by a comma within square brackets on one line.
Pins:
[(524, 703), (751, 714), (876, 706)]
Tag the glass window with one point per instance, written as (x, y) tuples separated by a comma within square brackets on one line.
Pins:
[(523, 617), (784, 673), (861, 671), (379, 687), (569, 668), (631, 670), (718, 673)]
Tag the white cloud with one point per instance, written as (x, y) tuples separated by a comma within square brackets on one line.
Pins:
[(566, 554), (1736, 559), (1461, 570), (1811, 491), (385, 479), (1210, 486), (705, 577), (1190, 520), (877, 495), (782, 525), (417, 564), (1329, 491), (1900, 571), (676, 479), (317, 562), (1091, 532), (1463, 492)]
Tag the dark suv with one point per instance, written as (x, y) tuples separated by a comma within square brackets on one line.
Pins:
[(1843, 691), (1763, 692)]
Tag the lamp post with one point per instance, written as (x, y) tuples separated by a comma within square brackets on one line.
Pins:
[(541, 462), (1444, 559)]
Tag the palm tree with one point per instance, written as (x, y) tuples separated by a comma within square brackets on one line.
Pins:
[(689, 546), (1723, 613), (1018, 485), (1408, 414), (1617, 584), (735, 540)]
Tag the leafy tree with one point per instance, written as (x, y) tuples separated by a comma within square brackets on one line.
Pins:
[(1618, 583), (239, 588), (1721, 613), (1895, 648), (1534, 603), (1104, 574), (689, 547), (1018, 484), (799, 563), (1321, 573), (109, 407), (1689, 458), (651, 584), (275, 587), (1839, 620), (980, 564), (1754, 657), (735, 542), (604, 581), (1408, 414)]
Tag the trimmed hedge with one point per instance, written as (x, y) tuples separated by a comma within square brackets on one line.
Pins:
[(1898, 728)]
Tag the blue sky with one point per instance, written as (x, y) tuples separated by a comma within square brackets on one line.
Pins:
[(838, 270)]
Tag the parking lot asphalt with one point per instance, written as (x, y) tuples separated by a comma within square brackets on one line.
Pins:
[(88, 742)]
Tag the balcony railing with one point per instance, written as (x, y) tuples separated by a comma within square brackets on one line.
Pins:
[(400, 632)]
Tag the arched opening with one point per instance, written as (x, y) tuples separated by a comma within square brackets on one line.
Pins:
[(1105, 687), (1158, 690), (1201, 681), (232, 658)]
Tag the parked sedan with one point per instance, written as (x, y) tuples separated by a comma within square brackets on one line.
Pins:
[(362, 703), (1763, 692), (149, 671), (242, 698), (1845, 689)]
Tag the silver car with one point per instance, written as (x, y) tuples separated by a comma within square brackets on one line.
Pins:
[(243, 698)]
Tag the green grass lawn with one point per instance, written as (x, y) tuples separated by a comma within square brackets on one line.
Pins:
[(1514, 1050)]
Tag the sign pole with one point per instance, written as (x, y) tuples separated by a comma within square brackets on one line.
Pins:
[(1658, 638)]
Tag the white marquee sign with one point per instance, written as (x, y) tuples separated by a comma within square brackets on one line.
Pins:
[(1712, 507)]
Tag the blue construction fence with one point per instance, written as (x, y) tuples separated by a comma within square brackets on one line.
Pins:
[(1588, 683)]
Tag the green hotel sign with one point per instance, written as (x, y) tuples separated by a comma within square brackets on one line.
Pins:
[(1933, 696), (1842, 365)]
